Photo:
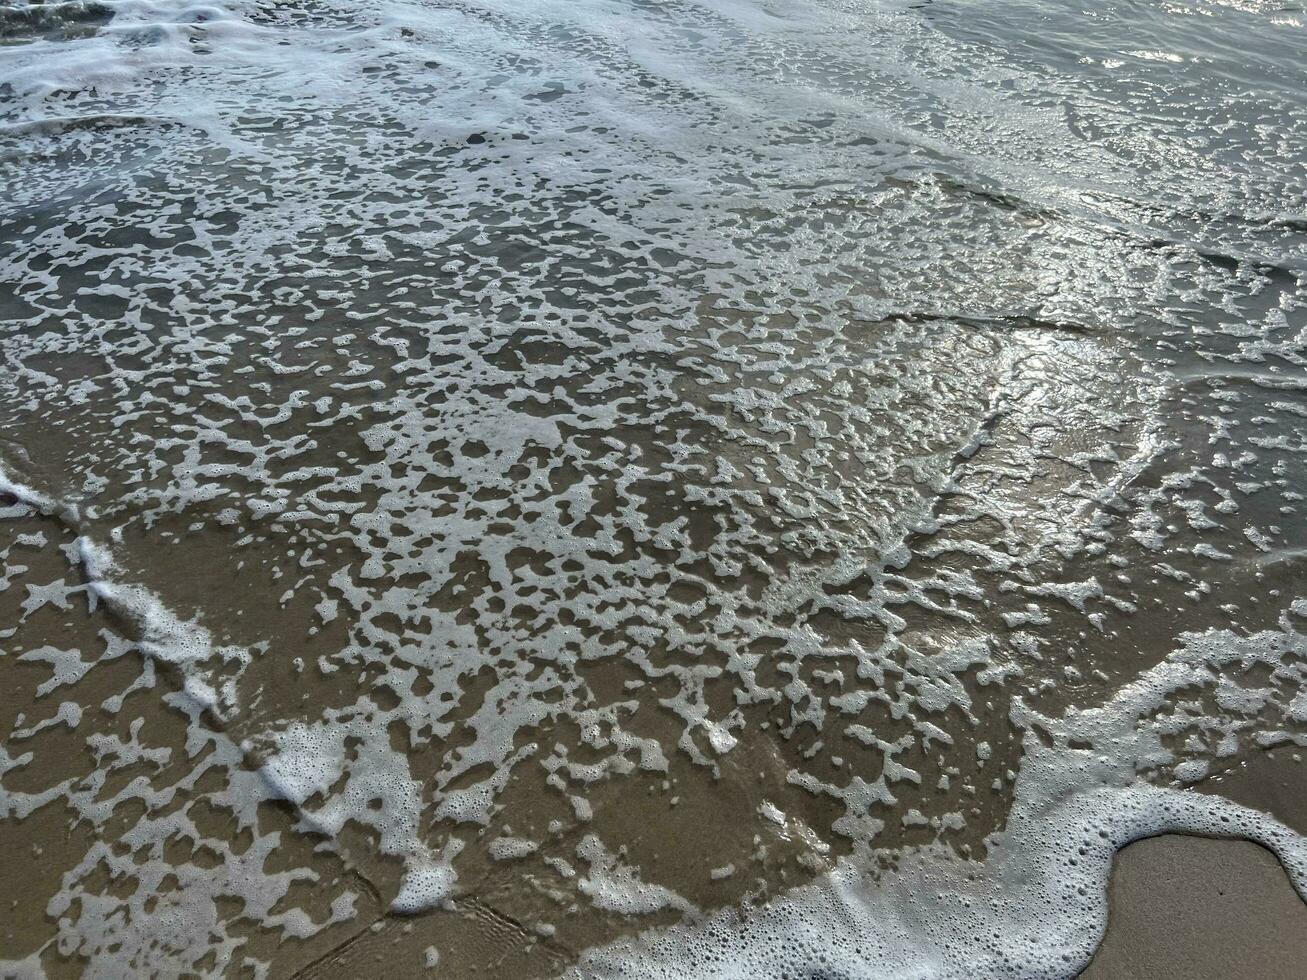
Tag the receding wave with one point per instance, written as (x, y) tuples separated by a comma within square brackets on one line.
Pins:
[(711, 487)]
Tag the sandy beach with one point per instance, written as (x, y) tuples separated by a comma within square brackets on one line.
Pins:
[(715, 488)]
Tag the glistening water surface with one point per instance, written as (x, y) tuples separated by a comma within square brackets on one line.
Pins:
[(724, 488)]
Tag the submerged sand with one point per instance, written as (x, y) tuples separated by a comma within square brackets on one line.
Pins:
[(646, 489)]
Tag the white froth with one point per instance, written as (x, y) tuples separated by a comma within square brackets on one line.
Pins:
[(1037, 906), (616, 887), (427, 882), (723, 343)]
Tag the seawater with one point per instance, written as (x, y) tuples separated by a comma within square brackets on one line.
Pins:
[(639, 488)]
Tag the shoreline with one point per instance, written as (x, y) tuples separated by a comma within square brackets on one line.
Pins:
[(1200, 908)]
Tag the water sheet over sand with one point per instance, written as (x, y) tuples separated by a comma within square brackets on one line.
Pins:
[(714, 488)]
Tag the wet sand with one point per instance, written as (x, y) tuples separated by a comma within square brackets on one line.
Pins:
[(478, 486), (1202, 909), (1194, 908)]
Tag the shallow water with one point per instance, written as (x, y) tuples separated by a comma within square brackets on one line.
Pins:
[(487, 480)]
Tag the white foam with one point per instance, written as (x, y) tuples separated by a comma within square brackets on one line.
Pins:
[(616, 887), (428, 881), (1037, 906), (685, 171)]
